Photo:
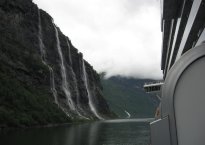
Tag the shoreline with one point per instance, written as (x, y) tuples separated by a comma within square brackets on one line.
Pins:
[(6, 128), (9, 128)]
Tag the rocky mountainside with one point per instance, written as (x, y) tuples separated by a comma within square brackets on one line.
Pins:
[(127, 98), (43, 77)]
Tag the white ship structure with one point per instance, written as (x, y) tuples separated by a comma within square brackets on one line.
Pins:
[(182, 111)]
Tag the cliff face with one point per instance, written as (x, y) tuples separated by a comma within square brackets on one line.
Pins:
[(43, 77)]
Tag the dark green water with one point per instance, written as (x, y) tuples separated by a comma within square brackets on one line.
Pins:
[(113, 132)]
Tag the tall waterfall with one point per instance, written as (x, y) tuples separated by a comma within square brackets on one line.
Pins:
[(69, 52), (63, 72), (43, 57), (75, 85), (76, 108), (74, 76), (91, 104)]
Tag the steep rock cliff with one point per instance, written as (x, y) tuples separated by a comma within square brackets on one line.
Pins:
[(43, 77)]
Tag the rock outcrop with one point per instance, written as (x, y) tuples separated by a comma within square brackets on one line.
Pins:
[(43, 77)]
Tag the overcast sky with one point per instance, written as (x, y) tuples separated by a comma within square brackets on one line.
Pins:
[(119, 37)]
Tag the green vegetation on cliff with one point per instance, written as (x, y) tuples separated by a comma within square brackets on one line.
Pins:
[(24, 99), (26, 106), (127, 94)]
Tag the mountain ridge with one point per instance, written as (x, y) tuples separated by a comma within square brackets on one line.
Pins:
[(44, 79), (127, 98)]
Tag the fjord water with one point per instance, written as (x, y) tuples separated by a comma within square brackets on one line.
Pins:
[(111, 132)]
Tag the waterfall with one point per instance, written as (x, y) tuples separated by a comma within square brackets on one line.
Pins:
[(63, 72), (91, 104), (53, 86), (75, 83), (128, 114), (69, 52), (65, 86), (43, 57), (73, 75)]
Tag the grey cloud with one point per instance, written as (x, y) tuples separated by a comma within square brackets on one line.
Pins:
[(120, 37)]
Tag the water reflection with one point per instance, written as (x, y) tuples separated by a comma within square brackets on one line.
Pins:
[(112, 132)]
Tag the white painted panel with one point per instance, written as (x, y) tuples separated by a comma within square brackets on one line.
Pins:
[(160, 133), (189, 103)]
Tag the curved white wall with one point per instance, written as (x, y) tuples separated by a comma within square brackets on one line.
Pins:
[(189, 103)]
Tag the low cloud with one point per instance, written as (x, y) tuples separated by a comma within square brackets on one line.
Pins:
[(119, 37)]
